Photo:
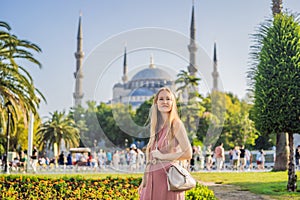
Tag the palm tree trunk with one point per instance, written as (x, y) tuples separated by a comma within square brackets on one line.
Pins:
[(282, 150), (292, 178)]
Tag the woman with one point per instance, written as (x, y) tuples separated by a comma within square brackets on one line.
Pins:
[(168, 143)]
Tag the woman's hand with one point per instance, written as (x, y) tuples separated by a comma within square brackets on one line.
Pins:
[(140, 189), (157, 154)]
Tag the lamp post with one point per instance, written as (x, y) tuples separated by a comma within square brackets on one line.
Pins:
[(7, 137)]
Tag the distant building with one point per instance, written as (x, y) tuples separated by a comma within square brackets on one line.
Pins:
[(143, 85)]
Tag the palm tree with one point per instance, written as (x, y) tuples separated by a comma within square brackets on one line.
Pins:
[(58, 128), (188, 86), (16, 85)]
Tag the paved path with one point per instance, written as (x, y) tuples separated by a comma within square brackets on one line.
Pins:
[(232, 192)]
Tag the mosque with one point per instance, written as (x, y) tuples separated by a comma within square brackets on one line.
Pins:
[(145, 83)]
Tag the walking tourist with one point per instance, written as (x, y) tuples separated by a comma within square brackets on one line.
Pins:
[(208, 157), (248, 157), (220, 156), (34, 159), (236, 157), (242, 157)]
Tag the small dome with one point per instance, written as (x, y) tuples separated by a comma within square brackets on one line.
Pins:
[(150, 74), (118, 85)]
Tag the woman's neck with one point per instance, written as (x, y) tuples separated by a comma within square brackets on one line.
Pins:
[(165, 116)]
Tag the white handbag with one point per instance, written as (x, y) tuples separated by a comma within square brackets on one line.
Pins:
[(179, 179)]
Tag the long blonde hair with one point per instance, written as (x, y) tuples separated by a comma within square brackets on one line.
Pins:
[(156, 119)]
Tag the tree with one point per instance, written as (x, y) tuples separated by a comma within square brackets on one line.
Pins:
[(237, 128), (189, 99), (275, 76), (17, 91), (282, 148), (237, 123), (187, 85), (78, 114), (19, 138), (142, 113), (56, 129)]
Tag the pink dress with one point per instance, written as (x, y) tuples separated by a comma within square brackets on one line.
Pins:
[(156, 185)]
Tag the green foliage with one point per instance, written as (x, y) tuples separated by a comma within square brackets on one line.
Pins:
[(189, 106), (141, 118), (216, 112), (34, 187), (265, 141), (142, 113), (272, 184), (90, 117), (116, 122), (226, 120), (57, 128), (187, 83), (200, 192), (197, 142), (19, 139), (106, 123), (275, 75), (31, 187), (17, 91)]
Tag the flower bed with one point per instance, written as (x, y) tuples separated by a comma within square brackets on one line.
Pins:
[(32, 187)]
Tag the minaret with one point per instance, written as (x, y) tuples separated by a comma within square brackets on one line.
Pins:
[(192, 47), (215, 73), (151, 62), (78, 95), (125, 70)]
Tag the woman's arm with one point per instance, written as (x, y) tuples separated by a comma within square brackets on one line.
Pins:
[(184, 143)]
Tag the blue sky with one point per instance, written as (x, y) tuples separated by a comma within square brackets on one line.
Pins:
[(52, 25)]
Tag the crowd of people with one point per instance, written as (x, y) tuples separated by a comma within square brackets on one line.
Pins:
[(130, 159), (133, 159), (238, 158)]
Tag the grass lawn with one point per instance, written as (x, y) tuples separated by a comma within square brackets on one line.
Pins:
[(272, 184)]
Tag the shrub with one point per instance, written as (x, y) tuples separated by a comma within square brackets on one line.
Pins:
[(109, 188), (200, 192)]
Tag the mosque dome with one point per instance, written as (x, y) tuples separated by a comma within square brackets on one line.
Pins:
[(151, 73), (142, 86)]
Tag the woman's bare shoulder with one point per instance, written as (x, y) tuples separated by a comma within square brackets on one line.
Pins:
[(177, 123)]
